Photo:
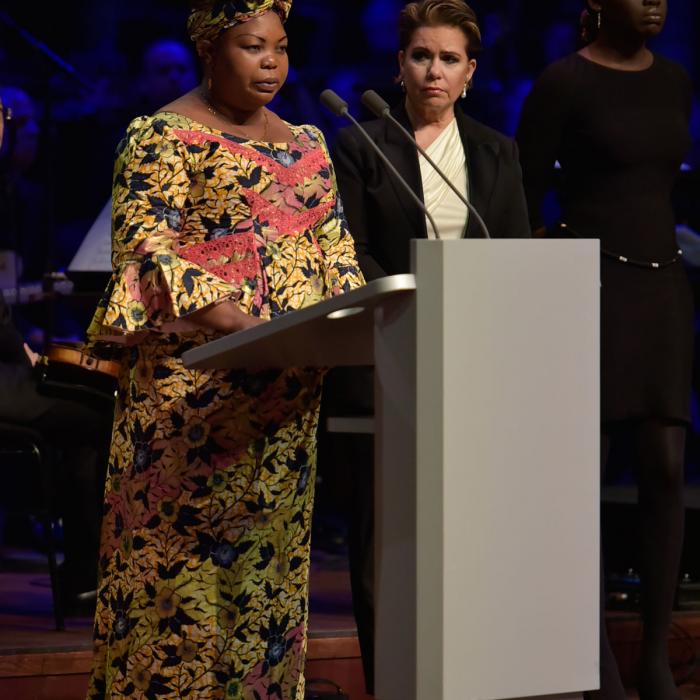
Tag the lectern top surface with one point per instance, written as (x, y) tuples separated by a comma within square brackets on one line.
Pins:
[(337, 331)]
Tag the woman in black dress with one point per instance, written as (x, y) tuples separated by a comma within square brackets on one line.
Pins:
[(615, 116)]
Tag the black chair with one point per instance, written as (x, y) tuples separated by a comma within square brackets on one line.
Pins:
[(27, 446)]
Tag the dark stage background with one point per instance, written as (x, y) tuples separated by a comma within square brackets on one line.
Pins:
[(349, 46), (68, 124)]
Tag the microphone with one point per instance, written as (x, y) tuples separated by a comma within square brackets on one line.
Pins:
[(380, 107), (339, 107)]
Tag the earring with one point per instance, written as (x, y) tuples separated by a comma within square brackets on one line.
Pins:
[(464, 91), (403, 85), (600, 20)]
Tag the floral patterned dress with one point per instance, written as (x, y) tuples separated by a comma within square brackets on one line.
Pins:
[(205, 543)]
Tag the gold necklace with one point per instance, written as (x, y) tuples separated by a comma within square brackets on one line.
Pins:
[(212, 110)]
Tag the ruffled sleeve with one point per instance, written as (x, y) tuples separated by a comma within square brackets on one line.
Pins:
[(334, 239), (152, 288)]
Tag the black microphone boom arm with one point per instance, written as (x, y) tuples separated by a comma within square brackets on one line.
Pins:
[(339, 107), (380, 107)]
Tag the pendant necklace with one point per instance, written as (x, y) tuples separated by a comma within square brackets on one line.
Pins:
[(212, 110)]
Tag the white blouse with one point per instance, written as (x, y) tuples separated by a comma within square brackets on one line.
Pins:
[(449, 212)]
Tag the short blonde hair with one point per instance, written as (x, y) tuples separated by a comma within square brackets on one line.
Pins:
[(434, 13)]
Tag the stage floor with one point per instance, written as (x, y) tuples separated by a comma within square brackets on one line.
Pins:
[(38, 663), (26, 618)]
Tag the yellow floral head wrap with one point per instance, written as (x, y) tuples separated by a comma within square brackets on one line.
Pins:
[(210, 21)]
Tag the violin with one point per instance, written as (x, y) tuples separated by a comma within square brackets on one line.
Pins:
[(70, 371)]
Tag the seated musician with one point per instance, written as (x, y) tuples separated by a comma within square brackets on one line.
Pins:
[(80, 435)]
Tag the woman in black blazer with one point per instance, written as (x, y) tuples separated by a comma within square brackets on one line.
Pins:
[(438, 39)]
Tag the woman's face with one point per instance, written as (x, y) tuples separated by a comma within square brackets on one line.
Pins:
[(435, 67), (643, 17), (248, 64)]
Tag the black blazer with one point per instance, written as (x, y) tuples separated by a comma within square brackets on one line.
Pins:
[(382, 216)]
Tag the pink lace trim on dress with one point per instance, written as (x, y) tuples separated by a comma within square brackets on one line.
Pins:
[(233, 258), (287, 223)]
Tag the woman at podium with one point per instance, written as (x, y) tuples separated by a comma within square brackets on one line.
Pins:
[(615, 116), (224, 216)]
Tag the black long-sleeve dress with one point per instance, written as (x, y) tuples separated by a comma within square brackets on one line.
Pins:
[(620, 138)]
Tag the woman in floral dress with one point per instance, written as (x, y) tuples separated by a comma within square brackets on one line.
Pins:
[(224, 216)]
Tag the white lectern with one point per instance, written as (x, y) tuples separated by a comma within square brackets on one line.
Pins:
[(487, 434)]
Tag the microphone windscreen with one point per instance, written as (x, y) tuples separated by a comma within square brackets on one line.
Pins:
[(375, 103), (334, 102)]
